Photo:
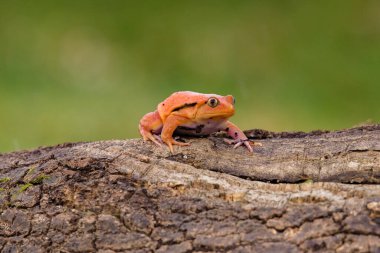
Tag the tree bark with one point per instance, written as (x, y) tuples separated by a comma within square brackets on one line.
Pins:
[(298, 192)]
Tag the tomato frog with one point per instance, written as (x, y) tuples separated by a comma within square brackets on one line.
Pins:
[(191, 113)]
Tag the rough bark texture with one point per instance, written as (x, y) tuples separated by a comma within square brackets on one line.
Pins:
[(314, 192)]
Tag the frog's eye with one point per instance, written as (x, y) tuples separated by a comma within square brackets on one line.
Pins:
[(233, 100), (212, 102)]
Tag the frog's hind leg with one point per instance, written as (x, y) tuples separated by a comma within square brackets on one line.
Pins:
[(150, 125), (239, 138)]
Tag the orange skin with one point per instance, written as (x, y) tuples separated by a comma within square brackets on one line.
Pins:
[(191, 113)]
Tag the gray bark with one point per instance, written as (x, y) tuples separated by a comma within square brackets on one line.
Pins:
[(298, 192)]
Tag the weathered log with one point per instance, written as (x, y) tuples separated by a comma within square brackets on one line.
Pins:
[(298, 192)]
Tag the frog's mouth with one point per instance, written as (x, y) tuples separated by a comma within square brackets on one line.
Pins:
[(219, 114), (221, 111)]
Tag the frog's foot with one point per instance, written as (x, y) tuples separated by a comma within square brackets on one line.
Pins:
[(239, 142), (170, 142), (153, 137)]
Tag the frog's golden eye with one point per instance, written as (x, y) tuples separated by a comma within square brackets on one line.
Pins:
[(212, 102)]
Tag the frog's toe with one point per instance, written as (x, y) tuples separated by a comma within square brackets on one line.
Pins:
[(156, 139), (239, 142), (229, 141), (172, 142), (180, 143), (170, 146), (156, 142), (248, 145)]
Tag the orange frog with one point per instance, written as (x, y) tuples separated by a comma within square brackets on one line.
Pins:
[(191, 113)]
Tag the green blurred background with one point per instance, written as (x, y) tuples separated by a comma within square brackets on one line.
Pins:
[(88, 70)]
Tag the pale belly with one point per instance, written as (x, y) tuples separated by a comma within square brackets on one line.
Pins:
[(200, 128)]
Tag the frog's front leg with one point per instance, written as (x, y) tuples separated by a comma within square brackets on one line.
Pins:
[(171, 123), (150, 125), (238, 136)]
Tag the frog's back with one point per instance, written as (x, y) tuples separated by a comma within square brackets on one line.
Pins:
[(179, 100)]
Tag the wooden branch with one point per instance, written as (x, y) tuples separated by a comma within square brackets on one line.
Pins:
[(298, 192)]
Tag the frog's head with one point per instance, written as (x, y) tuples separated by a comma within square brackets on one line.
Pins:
[(215, 106)]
